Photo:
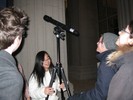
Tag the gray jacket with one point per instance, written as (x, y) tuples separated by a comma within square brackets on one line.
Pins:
[(11, 81), (121, 86)]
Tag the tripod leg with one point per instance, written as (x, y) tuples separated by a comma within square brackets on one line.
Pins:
[(60, 79), (65, 81), (52, 79)]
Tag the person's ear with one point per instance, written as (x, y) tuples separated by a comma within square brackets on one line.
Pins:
[(103, 46)]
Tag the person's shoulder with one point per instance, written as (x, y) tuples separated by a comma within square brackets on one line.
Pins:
[(104, 54), (110, 51)]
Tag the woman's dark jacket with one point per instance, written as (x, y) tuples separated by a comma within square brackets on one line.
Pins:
[(104, 76)]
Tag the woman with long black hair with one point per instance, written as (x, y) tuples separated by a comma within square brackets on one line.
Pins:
[(40, 78)]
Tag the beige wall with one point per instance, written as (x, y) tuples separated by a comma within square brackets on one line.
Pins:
[(40, 33)]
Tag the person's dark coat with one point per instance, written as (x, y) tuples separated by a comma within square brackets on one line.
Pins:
[(105, 74)]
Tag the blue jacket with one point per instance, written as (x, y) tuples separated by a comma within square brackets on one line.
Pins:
[(104, 76)]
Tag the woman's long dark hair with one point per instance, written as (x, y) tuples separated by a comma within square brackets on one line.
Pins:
[(39, 71)]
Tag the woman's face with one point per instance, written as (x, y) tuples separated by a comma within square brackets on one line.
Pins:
[(46, 62), (124, 36)]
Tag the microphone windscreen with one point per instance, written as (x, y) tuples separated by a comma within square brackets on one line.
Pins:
[(47, 18)]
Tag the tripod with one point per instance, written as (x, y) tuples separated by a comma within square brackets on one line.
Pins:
[(59, 69)]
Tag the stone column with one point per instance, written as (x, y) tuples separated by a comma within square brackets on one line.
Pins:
[(83, 15), (125, 12)]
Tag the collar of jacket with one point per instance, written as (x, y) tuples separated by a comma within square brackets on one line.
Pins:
[(114, 56), (102, 56)]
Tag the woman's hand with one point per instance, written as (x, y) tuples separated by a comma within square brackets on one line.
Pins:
[(62, 86), (49, 90)]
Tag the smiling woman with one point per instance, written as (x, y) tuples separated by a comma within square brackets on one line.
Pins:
[(40, 78)]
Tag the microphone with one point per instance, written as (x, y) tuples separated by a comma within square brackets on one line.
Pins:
[(57, 23)]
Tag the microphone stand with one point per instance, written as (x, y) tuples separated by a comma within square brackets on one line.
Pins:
[(59, 69)]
